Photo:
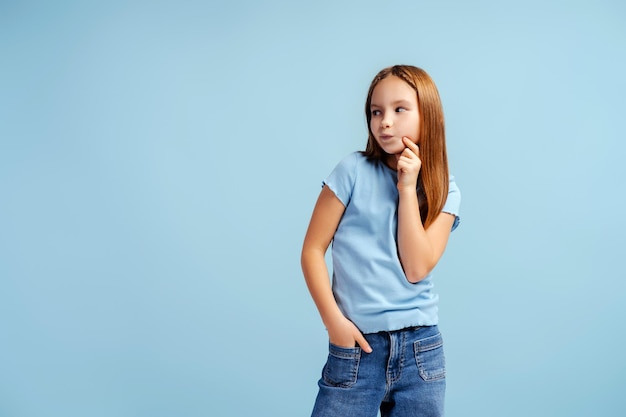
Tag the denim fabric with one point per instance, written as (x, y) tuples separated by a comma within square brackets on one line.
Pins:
[(404, 376)]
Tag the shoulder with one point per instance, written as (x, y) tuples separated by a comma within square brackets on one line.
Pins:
[(342, 178), (353, 159), (351, 164), (352, 170), (363, 162)]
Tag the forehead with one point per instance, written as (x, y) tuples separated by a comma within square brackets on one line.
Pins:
[(393, 88)]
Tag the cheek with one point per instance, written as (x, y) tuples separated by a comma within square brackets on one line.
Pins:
[(411, 129), (372, 128), (416, 129)]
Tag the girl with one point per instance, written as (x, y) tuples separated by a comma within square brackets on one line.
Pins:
[(389, 212)]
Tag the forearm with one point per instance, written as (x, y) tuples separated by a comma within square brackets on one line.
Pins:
[(341, 331), (414, 246), (318, 282)]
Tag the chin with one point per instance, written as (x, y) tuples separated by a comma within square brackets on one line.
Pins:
[(393, 150)]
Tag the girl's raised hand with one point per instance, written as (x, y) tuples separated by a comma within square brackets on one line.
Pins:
[(408, 164)]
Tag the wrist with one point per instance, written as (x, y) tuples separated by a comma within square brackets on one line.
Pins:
[(332, 317), (407, 189)]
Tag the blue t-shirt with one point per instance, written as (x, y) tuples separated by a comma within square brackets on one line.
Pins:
[(369, 284)]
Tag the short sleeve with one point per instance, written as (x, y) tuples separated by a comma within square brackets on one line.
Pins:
[(453, 202), (341, 179)]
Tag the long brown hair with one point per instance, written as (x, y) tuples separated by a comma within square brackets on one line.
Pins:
[(432, 182)]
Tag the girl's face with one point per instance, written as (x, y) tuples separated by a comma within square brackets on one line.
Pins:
[(394, 114)]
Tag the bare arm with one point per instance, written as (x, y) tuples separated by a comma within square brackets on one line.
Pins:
[(419, 249), (324, 221)]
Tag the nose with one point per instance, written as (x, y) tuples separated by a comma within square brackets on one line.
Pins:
[(385, 122)]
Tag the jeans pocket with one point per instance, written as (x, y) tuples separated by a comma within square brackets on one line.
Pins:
[(430, 359), (342, 366)]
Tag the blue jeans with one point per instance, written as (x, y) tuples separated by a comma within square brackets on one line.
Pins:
[(404, 376)]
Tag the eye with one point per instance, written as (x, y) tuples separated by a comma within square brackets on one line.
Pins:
[(375, 112), (400, 109)]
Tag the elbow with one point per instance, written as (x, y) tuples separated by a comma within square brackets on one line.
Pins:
[(417, 274), (304, 256), (418, 268), (309, 254)]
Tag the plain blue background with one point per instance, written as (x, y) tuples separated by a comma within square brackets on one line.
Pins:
[(159, 162)]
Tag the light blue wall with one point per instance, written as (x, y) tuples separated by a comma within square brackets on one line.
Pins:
[(159, 162)]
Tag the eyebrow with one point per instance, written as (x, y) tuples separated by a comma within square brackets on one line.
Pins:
[(395, 103)]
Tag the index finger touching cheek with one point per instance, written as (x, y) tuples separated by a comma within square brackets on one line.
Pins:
[(410, 144)]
